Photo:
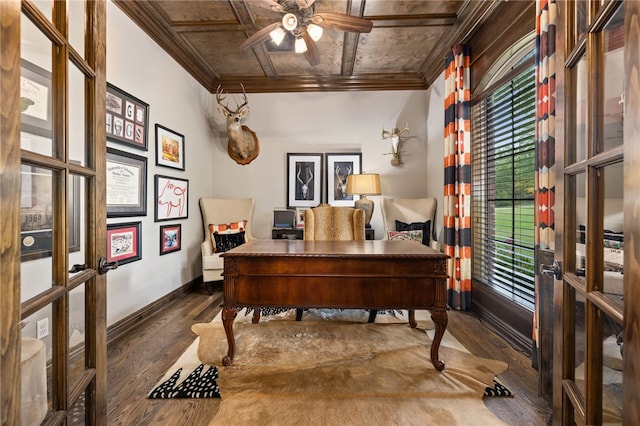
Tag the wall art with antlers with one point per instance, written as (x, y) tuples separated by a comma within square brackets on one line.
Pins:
[(395, 134), (243, 145)]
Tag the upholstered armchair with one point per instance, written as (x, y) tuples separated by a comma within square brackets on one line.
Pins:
[(334, 224), (410, 214), (228, 218)]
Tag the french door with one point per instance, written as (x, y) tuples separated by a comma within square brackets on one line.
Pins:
[(596, 374), (53, 297)]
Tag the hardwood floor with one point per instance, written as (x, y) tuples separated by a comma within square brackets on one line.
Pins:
[(140, 357)]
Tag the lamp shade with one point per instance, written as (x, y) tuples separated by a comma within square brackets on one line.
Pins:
[(364, 184)]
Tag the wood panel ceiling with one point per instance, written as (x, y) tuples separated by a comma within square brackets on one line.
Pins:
[(405, 50)]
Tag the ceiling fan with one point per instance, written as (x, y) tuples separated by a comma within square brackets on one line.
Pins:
[(306, 26)]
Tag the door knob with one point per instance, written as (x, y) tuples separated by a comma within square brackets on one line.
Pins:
[(77, 268), (104, 266), (553, 270)]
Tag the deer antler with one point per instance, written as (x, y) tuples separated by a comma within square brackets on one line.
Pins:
[(406, 129)]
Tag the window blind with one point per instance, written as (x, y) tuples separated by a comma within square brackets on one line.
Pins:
[(503, 173)]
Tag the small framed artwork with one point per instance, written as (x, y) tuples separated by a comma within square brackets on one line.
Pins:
[(35, 99), (300, 217), (338, 167), (123, 242), (304, 180), (172, 198), (170, 238), (169, 148), (127, 118), (126, 184)]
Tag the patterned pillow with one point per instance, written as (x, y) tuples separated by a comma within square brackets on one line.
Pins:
[(225, 242), (415, 235), (226, 228), (425, 227)]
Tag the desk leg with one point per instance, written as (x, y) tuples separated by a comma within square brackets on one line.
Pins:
[(440, 319), (228, 316)]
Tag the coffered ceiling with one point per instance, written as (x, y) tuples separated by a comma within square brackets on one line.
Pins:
[(405, 49)]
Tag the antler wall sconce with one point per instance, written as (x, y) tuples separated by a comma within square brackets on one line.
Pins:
[(395, 134)]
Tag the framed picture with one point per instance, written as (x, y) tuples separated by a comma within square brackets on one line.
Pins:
[(304, 180), (338, 167), (170, 238), (169, 148), (36, 215), (172, 198), (35, 100), (123, 242), (126, 184), (300, 217), (127, 118)]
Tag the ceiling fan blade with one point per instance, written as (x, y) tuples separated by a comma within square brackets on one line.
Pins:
[(269, 4), (303, 4), (312, 54), (259, 36), (342, 22)]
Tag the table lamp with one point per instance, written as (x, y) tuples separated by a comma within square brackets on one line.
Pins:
[(364, 184)]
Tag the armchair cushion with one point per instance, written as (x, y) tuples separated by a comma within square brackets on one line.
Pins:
[(225, 242), (415, 235), (217, 230), (425, 227)]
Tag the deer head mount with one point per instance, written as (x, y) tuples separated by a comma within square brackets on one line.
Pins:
[(243, 145), (395, 134)]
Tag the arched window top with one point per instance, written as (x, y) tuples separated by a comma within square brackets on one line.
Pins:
[(519, 53)]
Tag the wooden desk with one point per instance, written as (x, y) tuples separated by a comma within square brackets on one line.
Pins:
[(377, 274)]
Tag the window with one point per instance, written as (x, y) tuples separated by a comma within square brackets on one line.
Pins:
[(503, 152)]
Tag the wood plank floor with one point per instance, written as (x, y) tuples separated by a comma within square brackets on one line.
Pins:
[(139, 358)]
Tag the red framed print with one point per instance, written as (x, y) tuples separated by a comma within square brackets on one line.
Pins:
[(127, 118), (123, 242), (170, 238)]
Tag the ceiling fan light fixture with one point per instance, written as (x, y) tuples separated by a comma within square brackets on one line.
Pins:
[(315, 31), (289, 21), (277, 35), (300, 46)]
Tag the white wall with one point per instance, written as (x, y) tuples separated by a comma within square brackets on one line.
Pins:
[(325, 122), (330, 122), (138, 66)]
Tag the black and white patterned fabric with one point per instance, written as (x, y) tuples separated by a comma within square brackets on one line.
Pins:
[(497, 390), (200, 383)]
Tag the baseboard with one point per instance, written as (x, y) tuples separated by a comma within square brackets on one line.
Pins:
[(121, 327)]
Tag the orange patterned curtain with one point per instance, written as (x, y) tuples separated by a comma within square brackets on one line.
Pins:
[(546, 17), (457, 176)]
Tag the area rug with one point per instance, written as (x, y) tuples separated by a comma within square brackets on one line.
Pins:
[(330, 369)]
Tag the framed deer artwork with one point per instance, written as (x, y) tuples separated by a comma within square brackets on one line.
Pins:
[(338, 166), (304, 180)]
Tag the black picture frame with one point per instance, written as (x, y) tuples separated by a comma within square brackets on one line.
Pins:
[(126, 184), (169, 148), (338, 166), (124, 242), (304, 180), (127, 118), (170, 238), (36, 100), (171, 196), (36, 233)]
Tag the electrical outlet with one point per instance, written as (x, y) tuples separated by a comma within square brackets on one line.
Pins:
[(42, 328)]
